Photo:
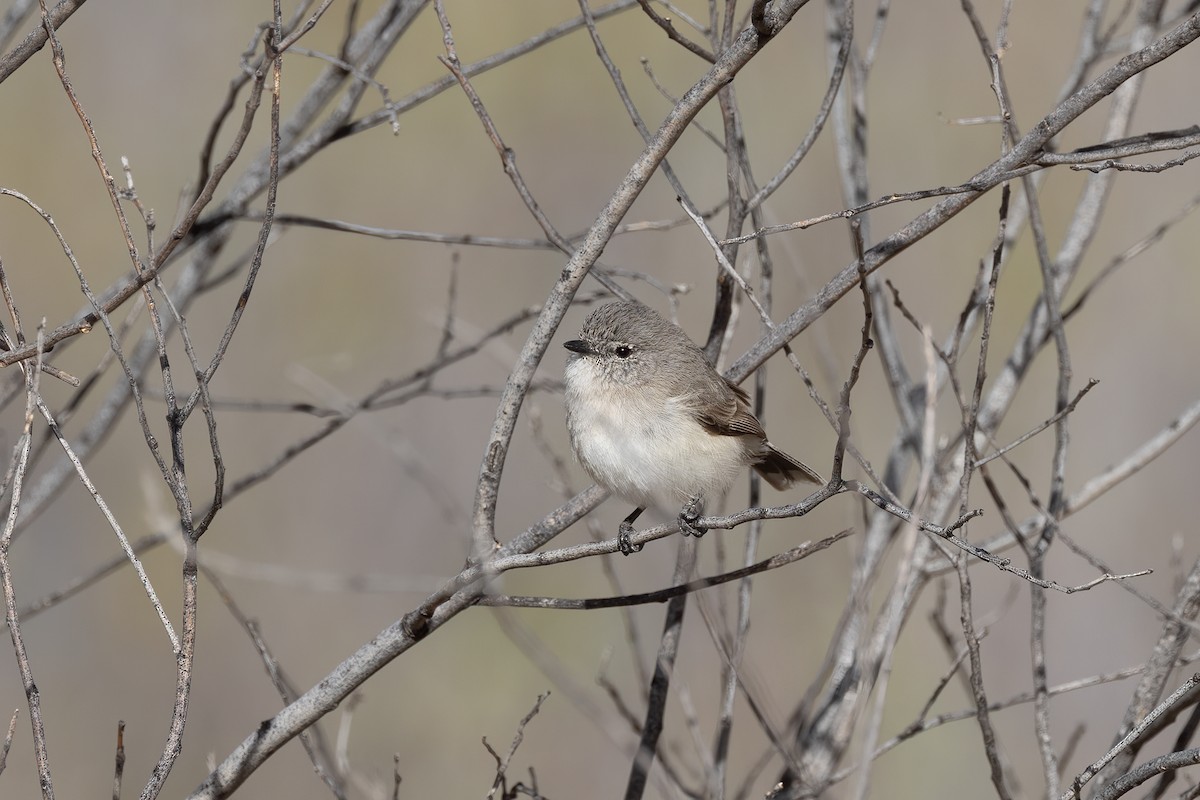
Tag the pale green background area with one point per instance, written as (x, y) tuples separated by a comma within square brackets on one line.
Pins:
[(334, 314)]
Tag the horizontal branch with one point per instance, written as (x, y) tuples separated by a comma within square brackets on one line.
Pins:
[(661, 596), (465, 239)]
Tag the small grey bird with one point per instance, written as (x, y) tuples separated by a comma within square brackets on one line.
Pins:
[(653, 422)]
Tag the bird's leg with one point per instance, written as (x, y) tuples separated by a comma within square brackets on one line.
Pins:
[(625, 531), (691, 511)]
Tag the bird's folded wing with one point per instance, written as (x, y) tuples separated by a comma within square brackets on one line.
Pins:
[(730, 417)]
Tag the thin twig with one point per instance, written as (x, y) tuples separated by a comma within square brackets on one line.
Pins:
[(1020, 440), (673, 34), (518, 737), (119, 767)]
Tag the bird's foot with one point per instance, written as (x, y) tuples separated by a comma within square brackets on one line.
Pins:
[(624, 543), (689, 515)]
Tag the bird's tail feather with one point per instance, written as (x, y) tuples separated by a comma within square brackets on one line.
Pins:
[(781, 470)]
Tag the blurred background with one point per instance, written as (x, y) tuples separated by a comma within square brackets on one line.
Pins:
[(356, 531)]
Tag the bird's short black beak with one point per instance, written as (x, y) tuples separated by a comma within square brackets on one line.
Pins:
[(578, 346)]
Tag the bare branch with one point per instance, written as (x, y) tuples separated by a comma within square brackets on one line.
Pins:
[(664, 665), (8, 737), (662, 595), (37, 37), (19, 465), (503, 763), (673, 34), (119, 768), (1153, 683), (1188, 688)]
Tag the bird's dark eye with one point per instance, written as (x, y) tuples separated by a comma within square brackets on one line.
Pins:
[(623, 351)]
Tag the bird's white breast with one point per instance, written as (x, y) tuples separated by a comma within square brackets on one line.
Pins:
[(643, 446)]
